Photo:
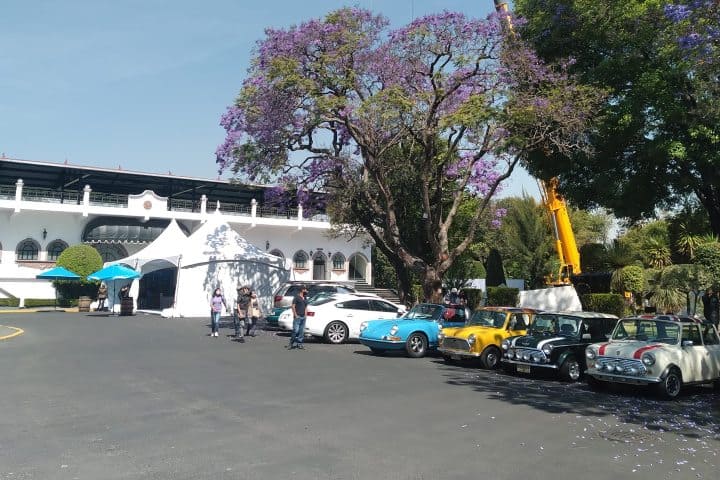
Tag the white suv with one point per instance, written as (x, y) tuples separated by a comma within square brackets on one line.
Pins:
[(337, 317)]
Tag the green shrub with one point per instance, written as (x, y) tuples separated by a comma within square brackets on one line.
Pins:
[(612, 303), (502, 296), (82, 260), (628, 279), (67, 302), (39, 302), (708, 255), (474, 297), (9, 302)]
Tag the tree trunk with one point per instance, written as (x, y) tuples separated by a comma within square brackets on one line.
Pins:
[(404, 283), (708, 195)]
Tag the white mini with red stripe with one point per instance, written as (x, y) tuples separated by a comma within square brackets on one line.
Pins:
[(667, 352)]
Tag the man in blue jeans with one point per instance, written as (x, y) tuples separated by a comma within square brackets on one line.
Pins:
[(299, 309)]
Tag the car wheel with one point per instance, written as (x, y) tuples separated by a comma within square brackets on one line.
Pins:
[(570, 370), (377, 351), (416, 345), (595, 384), (336, 332), (448, 359), (671, 385), (490, 358)]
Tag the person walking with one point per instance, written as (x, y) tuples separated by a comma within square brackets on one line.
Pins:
[(101, 297), (255, 313), (217, 302), (241, 318), (299, 309)]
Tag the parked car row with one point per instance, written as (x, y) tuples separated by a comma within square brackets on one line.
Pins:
[(663, 351)]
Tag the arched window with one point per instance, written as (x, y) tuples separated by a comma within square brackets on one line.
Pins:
[(110, 251), (300, 260), (27, 250), (338, 261), (55, 248), (277, 253)]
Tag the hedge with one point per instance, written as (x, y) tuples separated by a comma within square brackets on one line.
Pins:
[(39, 302), (502, 296), (474, 297), (9, 302), (612, 303)]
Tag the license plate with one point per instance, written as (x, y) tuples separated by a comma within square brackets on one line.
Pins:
[(523, 368)]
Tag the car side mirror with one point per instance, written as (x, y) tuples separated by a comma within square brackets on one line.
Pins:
[(586, 336), (687, 343), (400, 313)]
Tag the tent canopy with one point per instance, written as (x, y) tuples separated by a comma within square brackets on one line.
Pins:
[(166, 248)]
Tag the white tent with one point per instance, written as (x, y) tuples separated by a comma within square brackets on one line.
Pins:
[(215, 255), (164, 252), (166, 248)]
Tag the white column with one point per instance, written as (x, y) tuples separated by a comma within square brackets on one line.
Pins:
[(86, 200), (300, 217), (18, 194), (253, 210), (203, 208)]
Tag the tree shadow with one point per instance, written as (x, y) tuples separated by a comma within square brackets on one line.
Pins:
[(695, 413)]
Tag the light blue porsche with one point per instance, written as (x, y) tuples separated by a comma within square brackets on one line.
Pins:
[(416, 332)]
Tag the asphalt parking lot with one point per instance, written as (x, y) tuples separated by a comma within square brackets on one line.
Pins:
[(143, 397)]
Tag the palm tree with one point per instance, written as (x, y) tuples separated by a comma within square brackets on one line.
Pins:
[(687, 242)]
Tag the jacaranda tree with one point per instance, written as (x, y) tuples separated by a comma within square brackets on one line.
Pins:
[(462, 104)]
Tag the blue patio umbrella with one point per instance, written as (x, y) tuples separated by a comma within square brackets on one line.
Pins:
[(58, 273), (112, 273)]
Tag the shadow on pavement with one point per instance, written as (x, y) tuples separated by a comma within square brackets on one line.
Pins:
[(696, 413)]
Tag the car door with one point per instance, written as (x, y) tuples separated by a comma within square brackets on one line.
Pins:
[(352, 313), (712, 345), (376, 310), (518, 324), (693, 357)]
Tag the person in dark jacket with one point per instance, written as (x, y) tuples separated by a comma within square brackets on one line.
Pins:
[(299, 310), (242, 312)]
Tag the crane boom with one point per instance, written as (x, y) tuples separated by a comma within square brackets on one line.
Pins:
[(565, 244)]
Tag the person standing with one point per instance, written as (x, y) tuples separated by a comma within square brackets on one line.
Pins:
[(255, 313), (101, 297), (217, 302), (241, 318), (299, 310), (714, 309)]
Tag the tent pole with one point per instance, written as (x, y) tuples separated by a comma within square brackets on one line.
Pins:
[(177, 283)]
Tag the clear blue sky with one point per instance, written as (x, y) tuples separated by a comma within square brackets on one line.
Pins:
[(142, 84)]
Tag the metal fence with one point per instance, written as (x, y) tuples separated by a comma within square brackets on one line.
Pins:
[(49, 196), (108, 199)]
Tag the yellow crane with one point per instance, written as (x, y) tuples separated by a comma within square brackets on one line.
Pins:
[(565, 244)]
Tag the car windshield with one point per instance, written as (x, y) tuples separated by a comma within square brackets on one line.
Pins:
[(647, 330), (488, 318), (425, 311), (554, 325)]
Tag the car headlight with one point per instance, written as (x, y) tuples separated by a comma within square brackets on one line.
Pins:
[(590, 353), (471, 339), (546, 349), (511, 353), (648, 359), (441, 335), (505, 345), (363, 326), (394, 330)]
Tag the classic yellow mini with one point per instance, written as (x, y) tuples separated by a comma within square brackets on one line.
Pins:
[(482, 334)]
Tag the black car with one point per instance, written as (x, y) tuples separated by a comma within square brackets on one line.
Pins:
[(556, 341)]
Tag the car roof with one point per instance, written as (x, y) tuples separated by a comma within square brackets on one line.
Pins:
[(510, 309), (668, 318), (580, 314)]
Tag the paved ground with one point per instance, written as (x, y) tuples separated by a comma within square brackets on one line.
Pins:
[(96, 397)]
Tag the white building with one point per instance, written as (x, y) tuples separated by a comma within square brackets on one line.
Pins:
[(46, 207)]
